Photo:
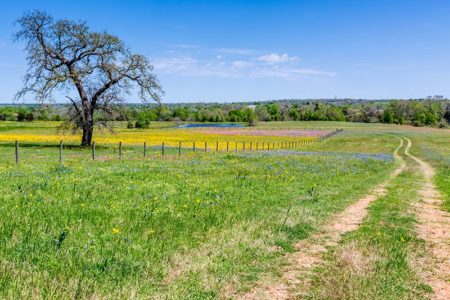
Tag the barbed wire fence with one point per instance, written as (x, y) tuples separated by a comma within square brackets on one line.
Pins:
[(164, 149)]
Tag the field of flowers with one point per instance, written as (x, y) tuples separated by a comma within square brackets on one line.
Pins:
[(198, 226), (45, 132), (35, 136)]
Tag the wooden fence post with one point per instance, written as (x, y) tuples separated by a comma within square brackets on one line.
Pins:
[(60, 150), (228, 146), (193, 146), (251, 146), (179, 149), (93, 150), (236, 148), (162, 149), (243, 146), (145, 149), (17, 152), (120, 150), (217, 146), (206, 147)]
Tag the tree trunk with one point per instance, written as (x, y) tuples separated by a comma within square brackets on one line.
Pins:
[(88, 130)]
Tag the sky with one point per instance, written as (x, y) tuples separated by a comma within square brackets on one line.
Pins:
[(221, 51)]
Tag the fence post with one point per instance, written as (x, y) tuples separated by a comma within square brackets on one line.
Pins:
[(17, 152), (236, 148), (206, 147), (179, 149), (228, 146), (251, 146), (193, 146), (60, 150), (256, 146), (217, 146), (243, 146), (145, 149), (263, 146), (162, 149), (268, 146), (93, 150), (120, 150)]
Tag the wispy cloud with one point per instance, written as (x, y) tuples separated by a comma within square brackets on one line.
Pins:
[(285, 67), (186, 46), (277, 58), (237, 51)]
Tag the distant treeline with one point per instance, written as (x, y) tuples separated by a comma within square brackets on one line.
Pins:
[(427, 112)]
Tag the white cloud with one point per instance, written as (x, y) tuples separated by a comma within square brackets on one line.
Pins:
[(186, 46), (250, 68), (241, 64), (277, 58), (237, 51)]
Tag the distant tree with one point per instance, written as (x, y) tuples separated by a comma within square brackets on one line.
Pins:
[(388, 117), (29, 116), (21, 115), (95, 66), (262, 113)]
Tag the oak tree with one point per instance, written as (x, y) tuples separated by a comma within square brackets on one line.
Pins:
[(94, 70)]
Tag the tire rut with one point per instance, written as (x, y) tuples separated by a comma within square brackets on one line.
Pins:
[(296, 275), (434, 229)]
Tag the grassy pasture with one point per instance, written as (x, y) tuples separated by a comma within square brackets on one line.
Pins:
[(199, 226)]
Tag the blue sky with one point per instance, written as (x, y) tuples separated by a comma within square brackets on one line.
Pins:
[(260, 50)]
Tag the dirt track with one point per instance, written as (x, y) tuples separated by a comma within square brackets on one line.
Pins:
[(295, 276)]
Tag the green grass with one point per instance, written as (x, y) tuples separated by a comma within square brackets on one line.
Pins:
[(118, 228), (200, 226), (379, 260)]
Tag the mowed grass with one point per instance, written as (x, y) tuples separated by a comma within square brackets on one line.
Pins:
[(199, 226), (379, 260)]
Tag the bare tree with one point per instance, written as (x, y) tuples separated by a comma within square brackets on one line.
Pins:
[(95, 70)]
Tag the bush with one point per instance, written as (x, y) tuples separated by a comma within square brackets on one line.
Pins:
[(29, 117), (142, 124)]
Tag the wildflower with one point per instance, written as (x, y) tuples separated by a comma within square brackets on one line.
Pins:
[(198, 201), (82, 204), (185, 205), (16, 206), (115, 230)]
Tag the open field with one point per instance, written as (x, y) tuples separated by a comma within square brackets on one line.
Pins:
[(217, 225)]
